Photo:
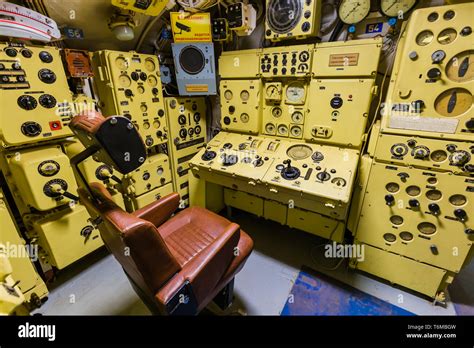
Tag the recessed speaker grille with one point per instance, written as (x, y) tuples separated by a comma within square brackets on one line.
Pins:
[(192, 60)]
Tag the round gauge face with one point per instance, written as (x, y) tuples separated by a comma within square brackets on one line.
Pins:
[(296, 131), (447, 36), (424, 38), (272, 92), (150, 65), (295, 93), (453, 102), (121, 63), (152, 81), (228, 95), (277, 112), (353, 11), (284, 15), (270, 128), (244, 95), (299, 152), (125, 81), (297, 117), (282, 129), (396, 8), (244, 118), (460, 68)]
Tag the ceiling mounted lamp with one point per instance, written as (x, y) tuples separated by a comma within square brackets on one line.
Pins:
[(122, 25)]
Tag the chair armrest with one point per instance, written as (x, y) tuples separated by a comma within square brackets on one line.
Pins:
[(206, 269), (159, 211)]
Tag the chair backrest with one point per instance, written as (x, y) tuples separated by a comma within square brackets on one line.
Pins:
[(135, 243)]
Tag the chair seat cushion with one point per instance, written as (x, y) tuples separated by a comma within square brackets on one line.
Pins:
[(190, 231)]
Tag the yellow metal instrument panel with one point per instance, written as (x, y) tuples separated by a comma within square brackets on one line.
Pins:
[(129, 84), (40, 176), (34, 95), (358, 58), (187, 124), (433, 81), (423, 215), (239, 64), (295, 19), (94, 171), (437, 154), (64, 236), (313, 177), (284, 108), (136, 202), (338, 111), (403, 271), (240, 105), (22, 268), (286, 61)]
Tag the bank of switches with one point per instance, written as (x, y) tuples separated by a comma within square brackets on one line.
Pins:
[(414, 203), (293, 123)]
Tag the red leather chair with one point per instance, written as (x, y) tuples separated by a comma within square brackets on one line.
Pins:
[(177, 264)]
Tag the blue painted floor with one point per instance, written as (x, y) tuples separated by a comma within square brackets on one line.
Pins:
[(317, 294)]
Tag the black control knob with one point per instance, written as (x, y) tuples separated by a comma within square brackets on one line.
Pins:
[(466, 31), (389, 200), (128, 93), (434, 249), (16, 66), (434, 208), (155, 91), (161, 112), (227, 120), (47, 101), (47, 76), (411, 142), (460, 214), (469, 231), (451, 147), (27, 102), (11, 52), (231, 109), (413, 203), (208, 155), (183, 133), (470, 124), (469, 168), (289, 172), (143, 76), (45, 57), (2, 66), (418, 105), (31, 129), (434, 73), (134, 76), (26, 53)]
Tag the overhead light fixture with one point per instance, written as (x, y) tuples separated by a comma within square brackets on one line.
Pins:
[(122, 24)]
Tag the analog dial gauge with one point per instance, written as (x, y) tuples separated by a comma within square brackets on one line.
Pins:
[(353, 11), (121, 63), (396, 8), (228, 95), (273, 92), (295, 93), (150, 65), (447, 36), (152, 81), (424, 38), (125, 81), (461, 67)]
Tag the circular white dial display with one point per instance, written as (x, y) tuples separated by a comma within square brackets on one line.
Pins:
[(353, 11), (396, 8), (295, 92)]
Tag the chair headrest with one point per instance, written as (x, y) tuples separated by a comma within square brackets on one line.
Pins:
[(116, 138)]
